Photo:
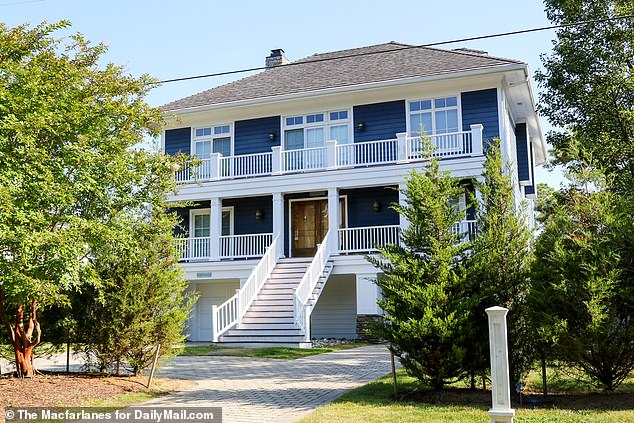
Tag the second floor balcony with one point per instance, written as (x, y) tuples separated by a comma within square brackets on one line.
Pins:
[(332, 156)]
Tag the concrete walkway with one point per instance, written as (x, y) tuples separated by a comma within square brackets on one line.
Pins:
[(264, 390)]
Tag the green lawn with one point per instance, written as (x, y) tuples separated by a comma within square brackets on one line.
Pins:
[(374, 403), (271, 352)]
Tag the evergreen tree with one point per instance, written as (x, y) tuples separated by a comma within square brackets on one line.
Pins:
[(499, 267), (423, 285), (583, 280)]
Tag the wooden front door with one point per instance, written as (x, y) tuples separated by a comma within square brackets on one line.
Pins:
[(309, 224)]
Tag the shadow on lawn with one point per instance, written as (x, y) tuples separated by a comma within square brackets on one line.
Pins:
[(410, 392)]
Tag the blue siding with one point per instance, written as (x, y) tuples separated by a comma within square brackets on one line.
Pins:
[(530, 189), (360, 206), (523, 165), (178, 140), (382, 121), (244, 221), (252, 136), (481, 107)]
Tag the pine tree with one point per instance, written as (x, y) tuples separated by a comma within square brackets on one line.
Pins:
[(423, 281)]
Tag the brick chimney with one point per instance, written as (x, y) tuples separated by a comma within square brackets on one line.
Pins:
[(276, 58)]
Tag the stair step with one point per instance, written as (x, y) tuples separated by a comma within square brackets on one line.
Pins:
[(267, 326), (271, 308), (272, 296), (287, 275), (267, 290), (269, 313), (263, 332), (289, 282), (273, 302), (273, 320)]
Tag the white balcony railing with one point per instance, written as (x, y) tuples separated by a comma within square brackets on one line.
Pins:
[(193, 248), (232, 246), (366, 239), (302, 160), (402, 149), (466, 230), (252, 245)]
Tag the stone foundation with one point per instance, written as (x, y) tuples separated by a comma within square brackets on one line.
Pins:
[(363, 323)]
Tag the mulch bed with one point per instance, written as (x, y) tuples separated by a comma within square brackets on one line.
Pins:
[(59, 389)]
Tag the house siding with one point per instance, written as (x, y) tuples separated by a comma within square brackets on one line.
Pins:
[(531, 189), (244, 221), (481, 107), (361, 206), (382, 120), (523, 165), (178, 140), (335, 314), (252, 136)]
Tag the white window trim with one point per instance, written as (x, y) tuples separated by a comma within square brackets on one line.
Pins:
[(195, 139), (326, 124), (196, 212), (432, 110)]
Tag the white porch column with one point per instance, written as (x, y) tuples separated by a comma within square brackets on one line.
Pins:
[(403, 222), (278, 222), (367, 294), (333, 220), (276, 160), (401, 142), (501, 412), (215, 228), (331, 154), (476, 139)]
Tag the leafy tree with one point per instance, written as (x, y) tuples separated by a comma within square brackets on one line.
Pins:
[(499, 267), (67, 169), (583, 290), (424, 281), (588, 86), (141, 300)]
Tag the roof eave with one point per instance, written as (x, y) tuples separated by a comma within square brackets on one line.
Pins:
[(356, 87)]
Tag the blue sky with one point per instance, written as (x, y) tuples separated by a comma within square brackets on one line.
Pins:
[(170, 39)]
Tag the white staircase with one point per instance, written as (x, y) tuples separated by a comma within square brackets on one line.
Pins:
[(270, 319)]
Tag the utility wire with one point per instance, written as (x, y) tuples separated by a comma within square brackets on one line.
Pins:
[(439, 43)]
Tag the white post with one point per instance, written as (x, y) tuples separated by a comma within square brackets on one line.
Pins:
[(214, 319), (333, 220), (276, 160), (476, 139), (401, 142), (238, 306), (278, 222), (214, 165), (403, 222), (331, 154), (367, 294), (501, 411), (215, 228)]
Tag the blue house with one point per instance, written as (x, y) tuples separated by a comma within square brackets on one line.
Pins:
[(294, 170)]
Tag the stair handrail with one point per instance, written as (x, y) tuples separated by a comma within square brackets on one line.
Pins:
[(229, 313), (306, 286)]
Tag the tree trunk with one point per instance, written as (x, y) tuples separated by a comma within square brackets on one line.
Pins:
[(484, 381), (22, 340), (544, 380), (473, 381)]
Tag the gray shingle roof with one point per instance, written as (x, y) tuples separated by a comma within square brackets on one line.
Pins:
[(382, 62)]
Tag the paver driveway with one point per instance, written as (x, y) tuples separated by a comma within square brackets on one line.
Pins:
[(264, 390)]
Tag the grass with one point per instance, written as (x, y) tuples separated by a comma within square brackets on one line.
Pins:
[(281, 353), (374, 402)]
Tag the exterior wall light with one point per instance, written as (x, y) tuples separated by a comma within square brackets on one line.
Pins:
[(259, 214), (361, 126), (272, 136), (377, 206)]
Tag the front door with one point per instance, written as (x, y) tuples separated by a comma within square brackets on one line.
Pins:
[(309, 225)]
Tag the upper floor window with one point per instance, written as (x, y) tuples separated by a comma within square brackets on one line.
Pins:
[(313, 130), (433, 116), (213, 139)]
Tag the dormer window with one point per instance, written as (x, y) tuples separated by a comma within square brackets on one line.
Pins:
[(434, 116), (213, 139)]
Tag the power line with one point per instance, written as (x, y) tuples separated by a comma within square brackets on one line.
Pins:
[(439, 43), (15, 3)]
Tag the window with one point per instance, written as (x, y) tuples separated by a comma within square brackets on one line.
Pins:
[(313, 130), (200, 222), (213, 139), (433, 116)]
